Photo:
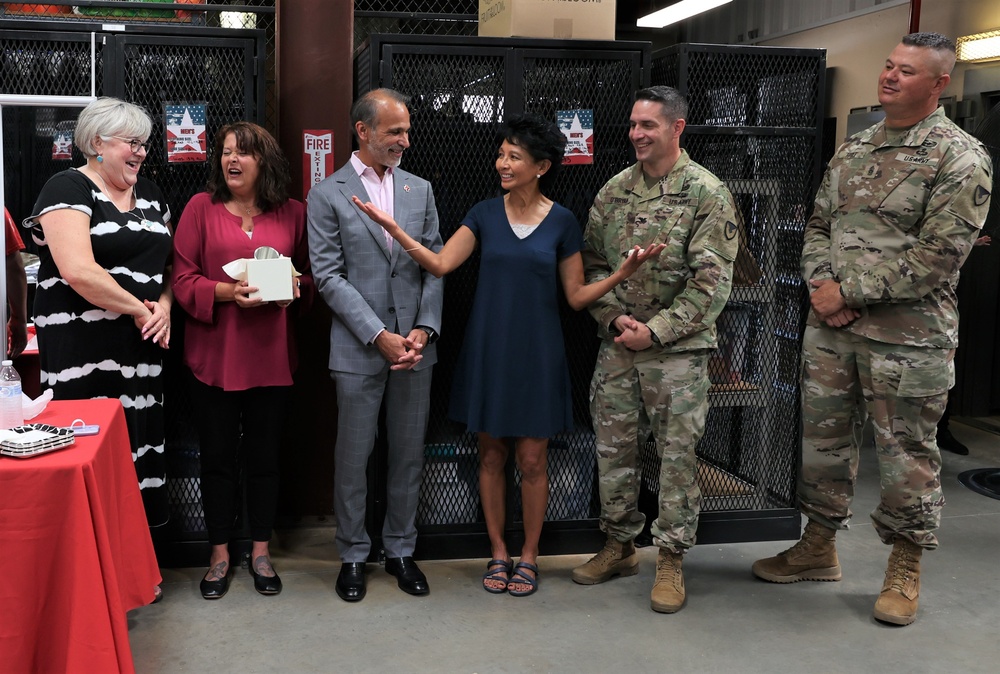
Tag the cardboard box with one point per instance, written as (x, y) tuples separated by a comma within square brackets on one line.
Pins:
[(563, 19), (273, 278)]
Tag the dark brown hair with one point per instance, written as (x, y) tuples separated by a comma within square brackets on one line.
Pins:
[(272, 166)]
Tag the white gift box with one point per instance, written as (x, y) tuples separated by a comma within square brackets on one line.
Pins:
[(273, 278)]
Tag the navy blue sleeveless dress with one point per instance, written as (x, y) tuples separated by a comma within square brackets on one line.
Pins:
[(512, 379)]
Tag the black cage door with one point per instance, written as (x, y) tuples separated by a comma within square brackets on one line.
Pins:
[(461, 89)]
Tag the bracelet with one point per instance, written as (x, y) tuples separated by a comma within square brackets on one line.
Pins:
[(410, 250)]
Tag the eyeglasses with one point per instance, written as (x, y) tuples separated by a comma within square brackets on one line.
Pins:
[(134, 143)]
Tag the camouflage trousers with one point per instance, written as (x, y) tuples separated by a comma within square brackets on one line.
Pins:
[(635, 394), (904, 389)]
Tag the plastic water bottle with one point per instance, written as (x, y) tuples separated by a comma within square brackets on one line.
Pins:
[(11, 414)]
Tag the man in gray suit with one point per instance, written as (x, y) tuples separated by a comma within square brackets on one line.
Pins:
[(386, 315)]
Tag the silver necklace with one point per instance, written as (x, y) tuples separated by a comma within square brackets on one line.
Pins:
[(145, 222), (248, 209), (108, 192)]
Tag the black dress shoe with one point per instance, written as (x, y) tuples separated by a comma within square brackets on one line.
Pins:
[(949, 442), (351, 581), (266, 585), (215, 589), (408, 576)]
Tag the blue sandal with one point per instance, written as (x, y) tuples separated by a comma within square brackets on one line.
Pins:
[(494, 573), (520, 577)]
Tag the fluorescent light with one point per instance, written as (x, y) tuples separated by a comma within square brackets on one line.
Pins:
[(979, 47), (678, 12)]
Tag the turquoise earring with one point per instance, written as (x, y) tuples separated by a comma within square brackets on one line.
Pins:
[(100, 159)]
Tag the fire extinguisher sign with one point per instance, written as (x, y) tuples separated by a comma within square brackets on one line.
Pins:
[(317, 157)]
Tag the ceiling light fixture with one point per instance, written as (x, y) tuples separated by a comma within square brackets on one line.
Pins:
[(978, 47), (678, 12)]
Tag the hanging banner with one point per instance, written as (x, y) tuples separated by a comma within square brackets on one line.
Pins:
[(317, 157), (62, 145), (185, 124), (578, 127)]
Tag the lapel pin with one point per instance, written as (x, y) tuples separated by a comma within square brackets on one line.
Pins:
[(406, 188)]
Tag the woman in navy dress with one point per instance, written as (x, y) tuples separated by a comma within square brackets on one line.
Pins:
[(512, 379)]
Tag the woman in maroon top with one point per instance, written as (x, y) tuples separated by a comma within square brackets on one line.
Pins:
[(241, 350)]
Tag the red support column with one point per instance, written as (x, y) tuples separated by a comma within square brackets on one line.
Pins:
[(315, 77)]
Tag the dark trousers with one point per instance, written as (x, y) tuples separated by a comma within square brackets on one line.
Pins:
[(239, 429)]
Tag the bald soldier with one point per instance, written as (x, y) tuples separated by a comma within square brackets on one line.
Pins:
[(898, 211)]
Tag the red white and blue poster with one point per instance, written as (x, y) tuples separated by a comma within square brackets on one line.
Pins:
[(62, 145), (578, 127), (185, 124)]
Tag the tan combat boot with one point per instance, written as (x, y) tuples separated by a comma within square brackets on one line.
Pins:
[(668, 589), (814, 557), (897, 603), (614, 559)]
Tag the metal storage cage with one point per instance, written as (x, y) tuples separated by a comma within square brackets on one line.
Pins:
[(461, 88), (755, 119), (761, 136)]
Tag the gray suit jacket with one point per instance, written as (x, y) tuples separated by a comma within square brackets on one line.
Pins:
[(368, 287)]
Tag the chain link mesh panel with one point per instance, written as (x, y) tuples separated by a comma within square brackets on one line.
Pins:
[(459, 98), (40, 64), (603, 83), (251, 14), (414, 17), (754, 121)]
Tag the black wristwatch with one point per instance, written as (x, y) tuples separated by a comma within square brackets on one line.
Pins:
[(431, 334)]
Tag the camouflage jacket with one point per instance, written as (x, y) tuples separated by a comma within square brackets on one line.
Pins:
[(894, 220), (680, 294)]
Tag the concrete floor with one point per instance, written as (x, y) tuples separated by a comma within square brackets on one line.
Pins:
[(732, 622)]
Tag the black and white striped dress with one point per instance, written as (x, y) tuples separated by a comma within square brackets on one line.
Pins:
[(88, 352)]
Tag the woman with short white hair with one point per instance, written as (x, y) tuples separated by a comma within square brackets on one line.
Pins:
[(102, 306)]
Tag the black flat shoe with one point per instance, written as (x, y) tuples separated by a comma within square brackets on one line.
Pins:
[(215, 589), (351, 581), (266, 585), (409, 577)]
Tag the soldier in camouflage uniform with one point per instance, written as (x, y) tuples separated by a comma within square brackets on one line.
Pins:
[(657, 330), (898, 211)]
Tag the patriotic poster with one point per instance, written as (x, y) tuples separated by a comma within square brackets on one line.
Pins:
[(185, 124), (578, 127), (62, 145)]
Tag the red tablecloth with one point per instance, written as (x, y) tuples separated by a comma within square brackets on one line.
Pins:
[(76, 552)]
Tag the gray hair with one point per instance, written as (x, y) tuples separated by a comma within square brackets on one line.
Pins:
[(941, 44), (674, 104), (365, 109), (107, 117)]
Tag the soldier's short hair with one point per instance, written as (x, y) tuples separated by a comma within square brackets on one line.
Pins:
[(930, 40), (942, 44), (674, 104)]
